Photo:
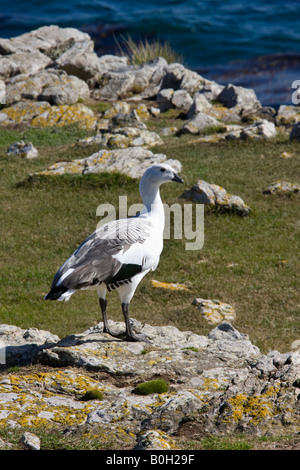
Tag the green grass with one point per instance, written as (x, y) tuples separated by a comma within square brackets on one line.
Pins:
[(236, 442), (87, 439), (251, 263), (57, 439)]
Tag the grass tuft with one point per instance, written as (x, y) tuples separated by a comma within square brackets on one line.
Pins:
[(143, 51)]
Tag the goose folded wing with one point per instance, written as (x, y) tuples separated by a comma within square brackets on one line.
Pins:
[(102, 256)]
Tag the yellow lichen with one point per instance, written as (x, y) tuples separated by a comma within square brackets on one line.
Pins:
[(169, 286), (256, 407)]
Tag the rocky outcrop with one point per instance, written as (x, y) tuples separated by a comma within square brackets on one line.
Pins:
[(51, 76), (41, 114), (221, 383), (131, 161)]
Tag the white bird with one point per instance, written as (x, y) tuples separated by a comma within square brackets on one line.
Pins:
[(120, 253)]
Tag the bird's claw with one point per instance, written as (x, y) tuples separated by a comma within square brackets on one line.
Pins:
[(128, 336)]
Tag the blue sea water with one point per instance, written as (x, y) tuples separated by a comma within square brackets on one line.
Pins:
[(220, 38)]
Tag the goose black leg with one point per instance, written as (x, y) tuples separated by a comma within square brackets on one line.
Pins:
[(103, 305), (129, 334)]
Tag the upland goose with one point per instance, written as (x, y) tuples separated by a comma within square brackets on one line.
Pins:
[(120, 253)]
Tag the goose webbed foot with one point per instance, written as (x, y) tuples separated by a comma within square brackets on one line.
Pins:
[(129, 337)]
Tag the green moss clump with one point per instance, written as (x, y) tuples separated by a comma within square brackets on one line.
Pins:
[(154, 386), (92, 394)]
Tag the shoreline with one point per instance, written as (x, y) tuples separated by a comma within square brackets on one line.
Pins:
[(269, 75)]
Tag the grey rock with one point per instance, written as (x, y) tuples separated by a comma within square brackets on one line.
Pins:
[(154, 111), (282, 188), (267, 365), (55, 87), (21, 149), (182, 100), (30, 441), (22, 346), (110, 63), (5, 445), (22, 62), (118, 107), (169, 416), (243, 99), (226, 332), (201, 122), (215, 197), (179, 77), (200, 104), (267, 112), (164, 99), (114, 85), (80, 60), (148, 77), (68, 90), (168, 98), (215, 311), (131, 161), (211, 91), (50, 40), (154, 440), (263, 129), (169, 131), (22, 112), (295, 132), (131, 119), (288, 115), (125, 137)]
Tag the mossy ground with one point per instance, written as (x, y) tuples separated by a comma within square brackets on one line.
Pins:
[(153, 386)]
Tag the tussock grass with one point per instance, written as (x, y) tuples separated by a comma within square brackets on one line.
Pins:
[(143, 51)]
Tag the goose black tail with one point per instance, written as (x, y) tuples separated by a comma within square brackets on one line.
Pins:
[(55, 292)]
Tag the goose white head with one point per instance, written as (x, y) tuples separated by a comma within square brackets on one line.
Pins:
[(158, 174), (151, 180)]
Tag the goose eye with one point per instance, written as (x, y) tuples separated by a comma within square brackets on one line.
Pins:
[(162, 169)]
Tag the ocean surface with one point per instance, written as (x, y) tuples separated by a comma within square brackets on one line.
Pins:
[(255, 44)]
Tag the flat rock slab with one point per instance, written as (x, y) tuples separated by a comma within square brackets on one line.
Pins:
[(132, 161)]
